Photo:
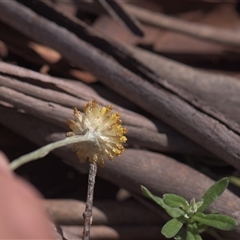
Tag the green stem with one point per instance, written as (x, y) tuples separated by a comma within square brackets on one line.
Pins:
[(43, 151)]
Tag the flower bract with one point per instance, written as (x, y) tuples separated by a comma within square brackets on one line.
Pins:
[(104, 131)]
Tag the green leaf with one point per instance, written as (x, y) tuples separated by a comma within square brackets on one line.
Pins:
[(192, 232), (148, 194), (199, 204), (174, 200), (213, 193), (219, 221), (171, 228), (173, 212)]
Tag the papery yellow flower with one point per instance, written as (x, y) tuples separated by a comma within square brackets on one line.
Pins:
[(104, 132)]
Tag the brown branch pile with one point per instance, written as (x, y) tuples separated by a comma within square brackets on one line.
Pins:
[(168, 107)]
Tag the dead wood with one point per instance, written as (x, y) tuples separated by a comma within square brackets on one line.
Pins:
[(228, 37), (180, 110), (222, 92), (208, 33), (38, 108), (69, 212), (133, 168), (82, 93), (166, 141), (117, 11), (44, 57), (49, 95), (219, 91)]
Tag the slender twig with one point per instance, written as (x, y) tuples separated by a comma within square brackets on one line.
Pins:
[(43, 151), (81, 91), (116, 10), (224, 36), (87, 215), (229, 37), (167, 140)]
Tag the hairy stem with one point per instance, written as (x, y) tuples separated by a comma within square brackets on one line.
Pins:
[(43, 151), (87, 215)]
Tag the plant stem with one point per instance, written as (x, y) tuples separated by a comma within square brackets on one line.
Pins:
[(43, 151), (87, 215)]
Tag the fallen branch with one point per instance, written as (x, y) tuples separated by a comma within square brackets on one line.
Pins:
[(44, 110), (204, 32), (116, 10), (228, 37), (219, 91), (167, 141), (81, 92)]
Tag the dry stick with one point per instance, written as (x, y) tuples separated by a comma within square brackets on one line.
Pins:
[(21, 45), (49, 95), (116, 10), (188, 119), (165, 141), (192, 80), (73, 87), (54, 113), (87, 215), (128, 117), (196, 30), (143, 70), (204, 32), (80, 90), (133, 168), (219, 91)]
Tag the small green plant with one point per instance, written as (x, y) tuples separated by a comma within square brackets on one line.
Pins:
[(191, 214)]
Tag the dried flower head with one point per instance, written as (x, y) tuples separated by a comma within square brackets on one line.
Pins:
[(104, 131)]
